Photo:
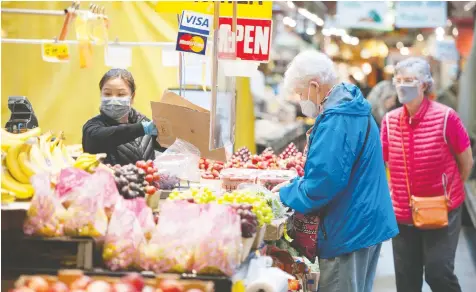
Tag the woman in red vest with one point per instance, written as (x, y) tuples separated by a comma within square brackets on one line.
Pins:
[(428, 153)]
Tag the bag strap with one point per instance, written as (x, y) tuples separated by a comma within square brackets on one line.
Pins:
[(444, 178)]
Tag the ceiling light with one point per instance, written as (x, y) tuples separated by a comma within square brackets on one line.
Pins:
[(440, 31), (291, 4), (311, 31), (420, 37), (455, 31), (365, 54), (400, 45), (354, 41), (367, 68), (346, 39), (358, 76), (404, 51)]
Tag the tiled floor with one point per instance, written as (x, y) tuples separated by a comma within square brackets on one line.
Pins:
[(465, 265)]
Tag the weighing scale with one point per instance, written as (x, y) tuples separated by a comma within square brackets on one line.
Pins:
[(23, 117)]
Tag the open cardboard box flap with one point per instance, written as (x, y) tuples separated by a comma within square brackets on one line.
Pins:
[(176, 117)]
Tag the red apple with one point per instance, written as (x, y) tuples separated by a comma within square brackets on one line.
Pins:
[(134, 279), (201, 166), (38, 284), (99, 286), (59, 287), (81, 283), (171, 286), (149, 178), (150, 190)]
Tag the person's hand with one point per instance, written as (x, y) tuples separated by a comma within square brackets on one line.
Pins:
[(150, 128), (278, 187)]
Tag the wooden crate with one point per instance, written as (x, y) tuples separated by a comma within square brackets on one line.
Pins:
[(52, 253)]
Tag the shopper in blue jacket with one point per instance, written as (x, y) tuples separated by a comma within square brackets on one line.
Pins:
[(345, 180)]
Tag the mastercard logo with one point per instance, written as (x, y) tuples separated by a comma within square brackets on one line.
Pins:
[(192, 43)]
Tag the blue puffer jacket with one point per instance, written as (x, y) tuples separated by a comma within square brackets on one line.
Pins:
[(357, 211)]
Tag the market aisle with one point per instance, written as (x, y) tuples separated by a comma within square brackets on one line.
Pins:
[(464, 265)]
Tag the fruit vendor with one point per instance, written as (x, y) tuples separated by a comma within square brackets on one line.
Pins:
[(120, 131), (344, 179)]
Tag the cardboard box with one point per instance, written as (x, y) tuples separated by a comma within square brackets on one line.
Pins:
[(176, 117)]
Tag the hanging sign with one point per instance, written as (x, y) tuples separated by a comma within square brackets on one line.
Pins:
[(55, 52), (253, 39), (362, 14), (445, 50), (118, 57), (420, 14), (196, 23), (257, 9), (191, 43)]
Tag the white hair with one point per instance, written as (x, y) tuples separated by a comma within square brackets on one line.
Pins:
[(418, 67), (306, 66)]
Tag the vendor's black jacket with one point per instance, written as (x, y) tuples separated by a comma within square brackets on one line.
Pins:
[(123, 143)]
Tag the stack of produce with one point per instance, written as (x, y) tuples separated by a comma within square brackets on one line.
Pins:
[(134, 181), (30, 153), (73, 280), (289, 159)]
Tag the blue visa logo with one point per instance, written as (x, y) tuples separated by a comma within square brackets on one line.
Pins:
[(196, 23)]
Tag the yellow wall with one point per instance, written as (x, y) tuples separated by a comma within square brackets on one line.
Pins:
[(64, 96)]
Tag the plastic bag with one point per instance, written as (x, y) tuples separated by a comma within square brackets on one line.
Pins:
[(147, 223), (180, 160), (172, 245), (124, 236), (46, 215), (279, 210), (86, 214), (70, 180), (218, 246)]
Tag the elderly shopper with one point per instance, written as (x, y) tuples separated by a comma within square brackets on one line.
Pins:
[(344, 181), (382, 98), (428, 153)]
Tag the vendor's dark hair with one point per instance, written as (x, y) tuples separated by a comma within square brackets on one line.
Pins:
[(118, 73)]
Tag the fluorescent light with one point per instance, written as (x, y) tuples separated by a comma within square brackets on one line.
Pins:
[(289, 21), (420, 37), (400, 45), (311, 31), (291, 4), (440, 31), (347, 39), (311, 16), (354, 41)]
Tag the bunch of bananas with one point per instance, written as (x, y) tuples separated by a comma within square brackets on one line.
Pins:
[(30, 153), (89, 162)]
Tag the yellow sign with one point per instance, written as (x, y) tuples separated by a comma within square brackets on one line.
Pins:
[(245, 9), (55, 52)]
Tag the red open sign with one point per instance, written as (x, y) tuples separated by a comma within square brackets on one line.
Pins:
[(253, 38)]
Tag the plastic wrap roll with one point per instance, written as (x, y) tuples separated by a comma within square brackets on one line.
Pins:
[(270, 280)]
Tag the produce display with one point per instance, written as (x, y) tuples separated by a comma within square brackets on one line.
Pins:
[(134, 181), (231, 178), (30, 153), (289, 159), (133, 282), (271, 178)]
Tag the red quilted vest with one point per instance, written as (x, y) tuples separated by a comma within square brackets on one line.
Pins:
[(428, 157)]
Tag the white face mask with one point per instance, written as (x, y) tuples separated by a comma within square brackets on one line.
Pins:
[(407, 93), (116, 107), (308, 107)]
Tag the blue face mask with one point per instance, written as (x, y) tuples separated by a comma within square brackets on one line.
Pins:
[(116, 107), (407, 93)]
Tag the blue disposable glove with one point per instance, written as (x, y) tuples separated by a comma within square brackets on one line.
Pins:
[(150, 128)]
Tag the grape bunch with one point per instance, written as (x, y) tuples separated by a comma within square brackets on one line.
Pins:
[(260, 207), (167, 181), (243, 154), (194, 195), (249, 221), (290, 151), (133, 181)]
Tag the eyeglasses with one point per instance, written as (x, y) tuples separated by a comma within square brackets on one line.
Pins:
[(405, 81)]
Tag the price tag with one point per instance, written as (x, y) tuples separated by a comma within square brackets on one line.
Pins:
[(55, 52)]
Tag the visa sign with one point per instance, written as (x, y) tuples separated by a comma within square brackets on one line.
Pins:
[(253, 39), (196, 23)]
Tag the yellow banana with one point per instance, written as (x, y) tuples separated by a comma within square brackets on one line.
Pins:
[(26, 166), (12, 163), (37, 158), (66, 156), (7, 196), (23, 136), (21, 191)]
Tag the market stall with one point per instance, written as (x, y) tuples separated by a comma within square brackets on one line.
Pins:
[(197, 218)]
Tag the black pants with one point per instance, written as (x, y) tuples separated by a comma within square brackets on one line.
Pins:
[(433, 251)]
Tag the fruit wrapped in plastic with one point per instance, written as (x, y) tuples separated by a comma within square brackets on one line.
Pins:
[(171, 247), (146, 221), (124, 236), (218, 242), (70, 181), (86, 215), (46, 214)]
